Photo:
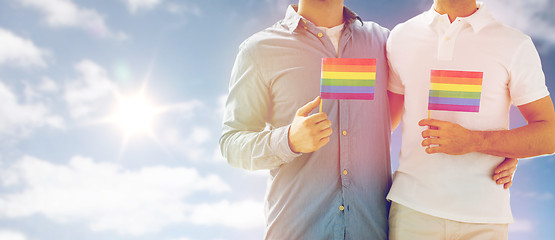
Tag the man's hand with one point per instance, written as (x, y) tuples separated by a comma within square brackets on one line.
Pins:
[(447, 137), (504, 173), (309, 133)]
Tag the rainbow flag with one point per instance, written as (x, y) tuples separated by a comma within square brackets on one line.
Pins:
[(455, 91), (348, 78)]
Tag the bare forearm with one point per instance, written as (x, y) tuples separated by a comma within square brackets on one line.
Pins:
[(534, 139)]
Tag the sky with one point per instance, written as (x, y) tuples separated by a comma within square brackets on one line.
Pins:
[(76, 164)]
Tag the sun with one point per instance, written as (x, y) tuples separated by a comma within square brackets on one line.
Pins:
[(135, 115)]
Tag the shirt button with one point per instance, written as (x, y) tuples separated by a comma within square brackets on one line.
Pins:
[(345, 172), (447, 38), (320, 34), (341, 208), (344, 133)]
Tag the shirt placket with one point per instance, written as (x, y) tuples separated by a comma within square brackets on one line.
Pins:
[(342, 207), (322, 36), (447, 33), (344, 142)]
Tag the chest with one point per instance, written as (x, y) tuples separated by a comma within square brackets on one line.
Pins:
[(294, 72)]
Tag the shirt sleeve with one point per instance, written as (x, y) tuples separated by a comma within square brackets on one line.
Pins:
[(394, 83), (245, 141), (527, 81)]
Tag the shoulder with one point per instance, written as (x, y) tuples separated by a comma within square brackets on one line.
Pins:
[(260, 41), (507, 35), (416, 23), (371, 29)]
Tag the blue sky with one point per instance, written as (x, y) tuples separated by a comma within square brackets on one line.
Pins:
[(68, 170)]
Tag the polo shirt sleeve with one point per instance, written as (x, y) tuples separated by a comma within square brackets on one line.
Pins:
[(526, 81), (394, 83), (245, 141)]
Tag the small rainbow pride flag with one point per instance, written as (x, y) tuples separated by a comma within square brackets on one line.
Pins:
[(455, 91), (348, 78)]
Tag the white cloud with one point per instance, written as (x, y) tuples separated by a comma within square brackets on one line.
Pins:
[(182, 8), (47, 85), (18, 119), (92, 93), (11, 235), (521, 225), (108, 198), (533, 17), (221, 105), (191, 146), (545, 196), (136, 5), (19, 51), (241, 215), (65, 13)]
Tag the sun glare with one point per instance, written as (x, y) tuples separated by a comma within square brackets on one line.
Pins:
[(135, 115)]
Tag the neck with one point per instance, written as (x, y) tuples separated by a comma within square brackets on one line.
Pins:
[(323, 13), (455, 8)]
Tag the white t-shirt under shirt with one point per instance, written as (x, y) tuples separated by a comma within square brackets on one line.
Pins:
[(334, 33), (460, 187)]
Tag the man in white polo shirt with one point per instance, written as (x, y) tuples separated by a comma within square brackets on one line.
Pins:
[(454, 72)]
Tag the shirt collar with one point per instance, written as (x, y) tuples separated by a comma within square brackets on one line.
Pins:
[(478, 20), (292, 18)]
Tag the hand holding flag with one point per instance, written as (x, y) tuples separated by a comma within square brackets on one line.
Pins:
[(447, 137), (456, 91), (309, 133)]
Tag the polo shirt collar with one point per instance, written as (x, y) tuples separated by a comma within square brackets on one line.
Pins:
[(292, 18), (478, 20)]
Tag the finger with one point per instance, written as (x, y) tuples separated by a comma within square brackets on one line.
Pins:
[(324, 133), (505, 173), (508, 163), (433, 123), (323, 125), (503, 180), (307, 108), (431, 150), (508, 185), (425, 122), (317, 118), (430, 133), (429, 122), (431, 141), (323, 142)]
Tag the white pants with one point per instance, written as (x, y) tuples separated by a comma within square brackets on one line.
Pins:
[(408, 224)]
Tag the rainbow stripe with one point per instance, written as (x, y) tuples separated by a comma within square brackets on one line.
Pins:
[(458, 91), (348, 78)]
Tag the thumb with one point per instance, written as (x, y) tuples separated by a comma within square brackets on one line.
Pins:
[(307, 108)]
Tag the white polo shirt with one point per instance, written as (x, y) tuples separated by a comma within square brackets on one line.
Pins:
[(459, 188)]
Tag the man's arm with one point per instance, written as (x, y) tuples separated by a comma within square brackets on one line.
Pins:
[(536, 138), (396, 103), (246, 142), (503, 173)]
